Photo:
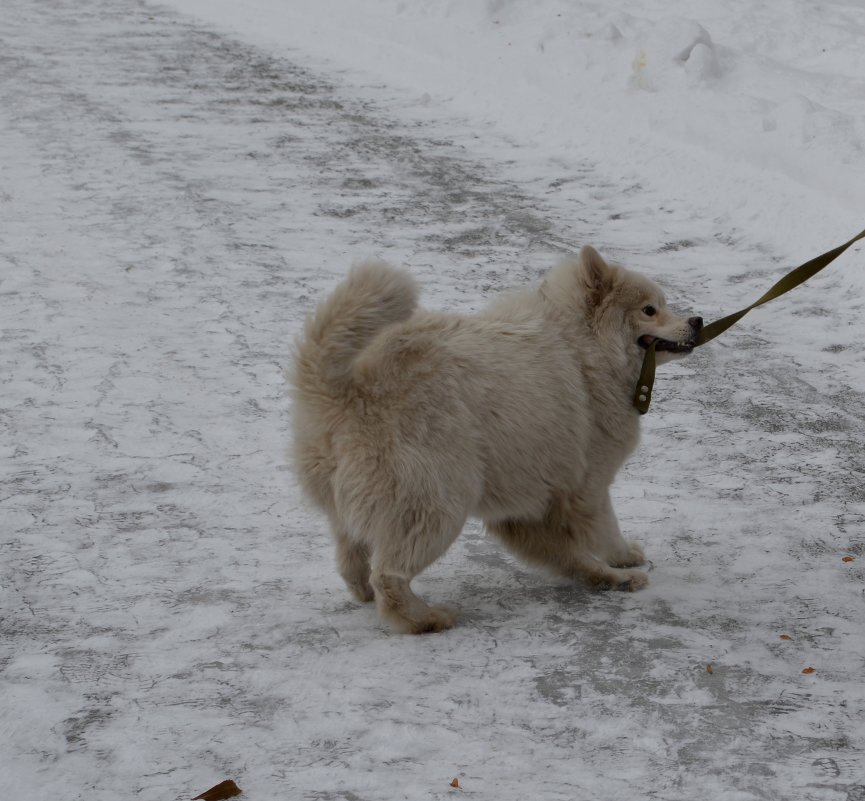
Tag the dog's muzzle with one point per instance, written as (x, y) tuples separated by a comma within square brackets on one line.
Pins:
[(669, 346)]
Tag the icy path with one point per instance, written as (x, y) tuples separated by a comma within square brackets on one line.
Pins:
[(172, 203)]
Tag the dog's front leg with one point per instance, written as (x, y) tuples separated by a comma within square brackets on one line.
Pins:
[(608, 543), (578, 542)]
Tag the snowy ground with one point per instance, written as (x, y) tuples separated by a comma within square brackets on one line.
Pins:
[(176, 191)]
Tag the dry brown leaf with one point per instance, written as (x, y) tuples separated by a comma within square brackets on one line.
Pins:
[(810, 670), (455, 783), (848, 558), (786, 637), (226, 789), (709, 668)]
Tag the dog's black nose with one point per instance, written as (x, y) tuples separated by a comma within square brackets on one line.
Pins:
[(696, 323)]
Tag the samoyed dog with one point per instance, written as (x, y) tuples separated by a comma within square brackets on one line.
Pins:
[(407, 422)]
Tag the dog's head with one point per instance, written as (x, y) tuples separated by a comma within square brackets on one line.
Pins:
[(621, 303)]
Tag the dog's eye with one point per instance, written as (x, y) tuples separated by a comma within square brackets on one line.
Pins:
[(649, 311)]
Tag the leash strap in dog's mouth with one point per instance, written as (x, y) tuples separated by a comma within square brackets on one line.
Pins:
[(643, 391)]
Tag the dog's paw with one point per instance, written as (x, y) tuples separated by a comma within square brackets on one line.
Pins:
[(633, 580), (439, 618), (632, 557), (361, 590)]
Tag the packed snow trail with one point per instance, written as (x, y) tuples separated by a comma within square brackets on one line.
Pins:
[(173, 202)]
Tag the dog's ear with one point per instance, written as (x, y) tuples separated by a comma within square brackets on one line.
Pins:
[(596, 275)]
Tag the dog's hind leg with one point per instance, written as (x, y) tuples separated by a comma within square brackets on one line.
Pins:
[(397, 559), (352, 559), (402, 609)]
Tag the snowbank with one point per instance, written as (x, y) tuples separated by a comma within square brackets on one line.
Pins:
[(750, 115)]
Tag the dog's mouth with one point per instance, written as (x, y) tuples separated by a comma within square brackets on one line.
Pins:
[(666, 345)]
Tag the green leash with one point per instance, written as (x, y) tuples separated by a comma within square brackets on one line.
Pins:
[(643, 392)]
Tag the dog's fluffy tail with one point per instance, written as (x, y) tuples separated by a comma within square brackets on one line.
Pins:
[(373, 296)]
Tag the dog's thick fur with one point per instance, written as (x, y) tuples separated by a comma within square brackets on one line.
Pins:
[(407, 422)]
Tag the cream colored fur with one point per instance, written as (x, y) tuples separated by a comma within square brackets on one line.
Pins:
[(408, 422)]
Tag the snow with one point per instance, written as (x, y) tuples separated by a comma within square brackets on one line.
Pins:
[(706, 101), (179, 183)]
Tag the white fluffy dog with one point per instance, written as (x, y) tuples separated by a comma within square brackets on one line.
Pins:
[(407, 422)]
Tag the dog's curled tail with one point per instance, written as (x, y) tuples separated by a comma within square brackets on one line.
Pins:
[(373, 296)]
